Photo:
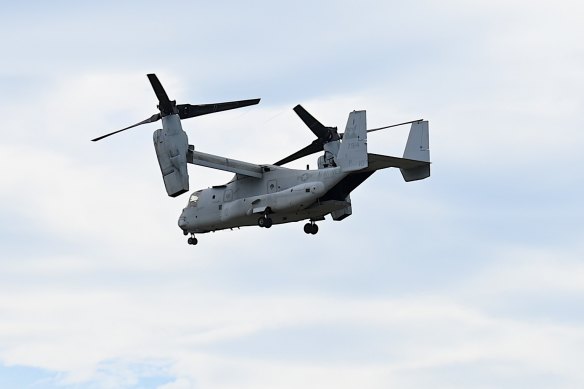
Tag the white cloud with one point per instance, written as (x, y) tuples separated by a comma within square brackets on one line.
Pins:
[(534, 270), (187, 327), (422, 286)]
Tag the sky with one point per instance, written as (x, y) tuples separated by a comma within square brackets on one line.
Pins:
[(471, 278)]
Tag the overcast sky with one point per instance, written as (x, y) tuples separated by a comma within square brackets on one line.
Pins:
[(473, 278)]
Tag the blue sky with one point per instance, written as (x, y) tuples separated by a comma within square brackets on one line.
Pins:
[(472, 278)]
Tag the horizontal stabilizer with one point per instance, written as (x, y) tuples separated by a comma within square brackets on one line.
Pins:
[(377, 162), (412, 170)]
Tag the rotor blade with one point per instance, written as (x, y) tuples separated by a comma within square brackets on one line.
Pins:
[(151, 119), (315, 126), (394, 125), (164, 103), (312, 148), (186, 111)]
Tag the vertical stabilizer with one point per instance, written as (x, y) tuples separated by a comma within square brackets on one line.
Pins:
[(418, 148), (353, 151)]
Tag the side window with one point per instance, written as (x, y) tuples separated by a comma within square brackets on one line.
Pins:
[(194, 199)]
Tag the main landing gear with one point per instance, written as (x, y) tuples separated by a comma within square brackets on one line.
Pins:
[(265, 221), (311, 228), (192, 240)]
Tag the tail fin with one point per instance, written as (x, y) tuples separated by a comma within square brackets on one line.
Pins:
[(418, 148), (352, 153)]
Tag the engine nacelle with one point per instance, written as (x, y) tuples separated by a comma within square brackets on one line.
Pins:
[(171, 151)]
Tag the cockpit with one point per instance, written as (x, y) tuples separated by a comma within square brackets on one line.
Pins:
[(194, 199)]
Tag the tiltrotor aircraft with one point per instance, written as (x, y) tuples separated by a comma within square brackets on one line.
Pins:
[(270, 194)]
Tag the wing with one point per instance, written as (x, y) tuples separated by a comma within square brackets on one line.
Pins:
[(222, 163)]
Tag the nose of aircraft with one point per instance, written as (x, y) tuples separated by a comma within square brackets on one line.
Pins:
[(186, 220), (182, 221)]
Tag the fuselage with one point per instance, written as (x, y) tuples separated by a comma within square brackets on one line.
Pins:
[(287, 195), (270, 194)]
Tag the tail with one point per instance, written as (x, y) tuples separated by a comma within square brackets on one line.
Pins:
[(352, 153), (418, 149)]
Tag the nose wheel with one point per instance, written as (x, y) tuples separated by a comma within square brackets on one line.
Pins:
[(192, 240), (311, 228)]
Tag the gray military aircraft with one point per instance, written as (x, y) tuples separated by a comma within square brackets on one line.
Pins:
[(268, 194)]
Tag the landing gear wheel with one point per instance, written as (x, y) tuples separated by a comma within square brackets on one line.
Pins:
[(192, 241), (311, 228), (314, 229), (265, 221)]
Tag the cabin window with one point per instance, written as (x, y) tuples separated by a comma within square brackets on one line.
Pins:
[(194, 199)]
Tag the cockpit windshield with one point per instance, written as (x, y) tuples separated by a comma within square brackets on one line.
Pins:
[(194, 199)]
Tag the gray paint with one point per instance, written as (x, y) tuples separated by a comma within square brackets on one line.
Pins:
[(222, 163), (417, 148), (289, 195), (272, 194), (352, 154), (171, 145)]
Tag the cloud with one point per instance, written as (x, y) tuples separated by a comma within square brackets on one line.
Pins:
[(469, 279), (396, 338)]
